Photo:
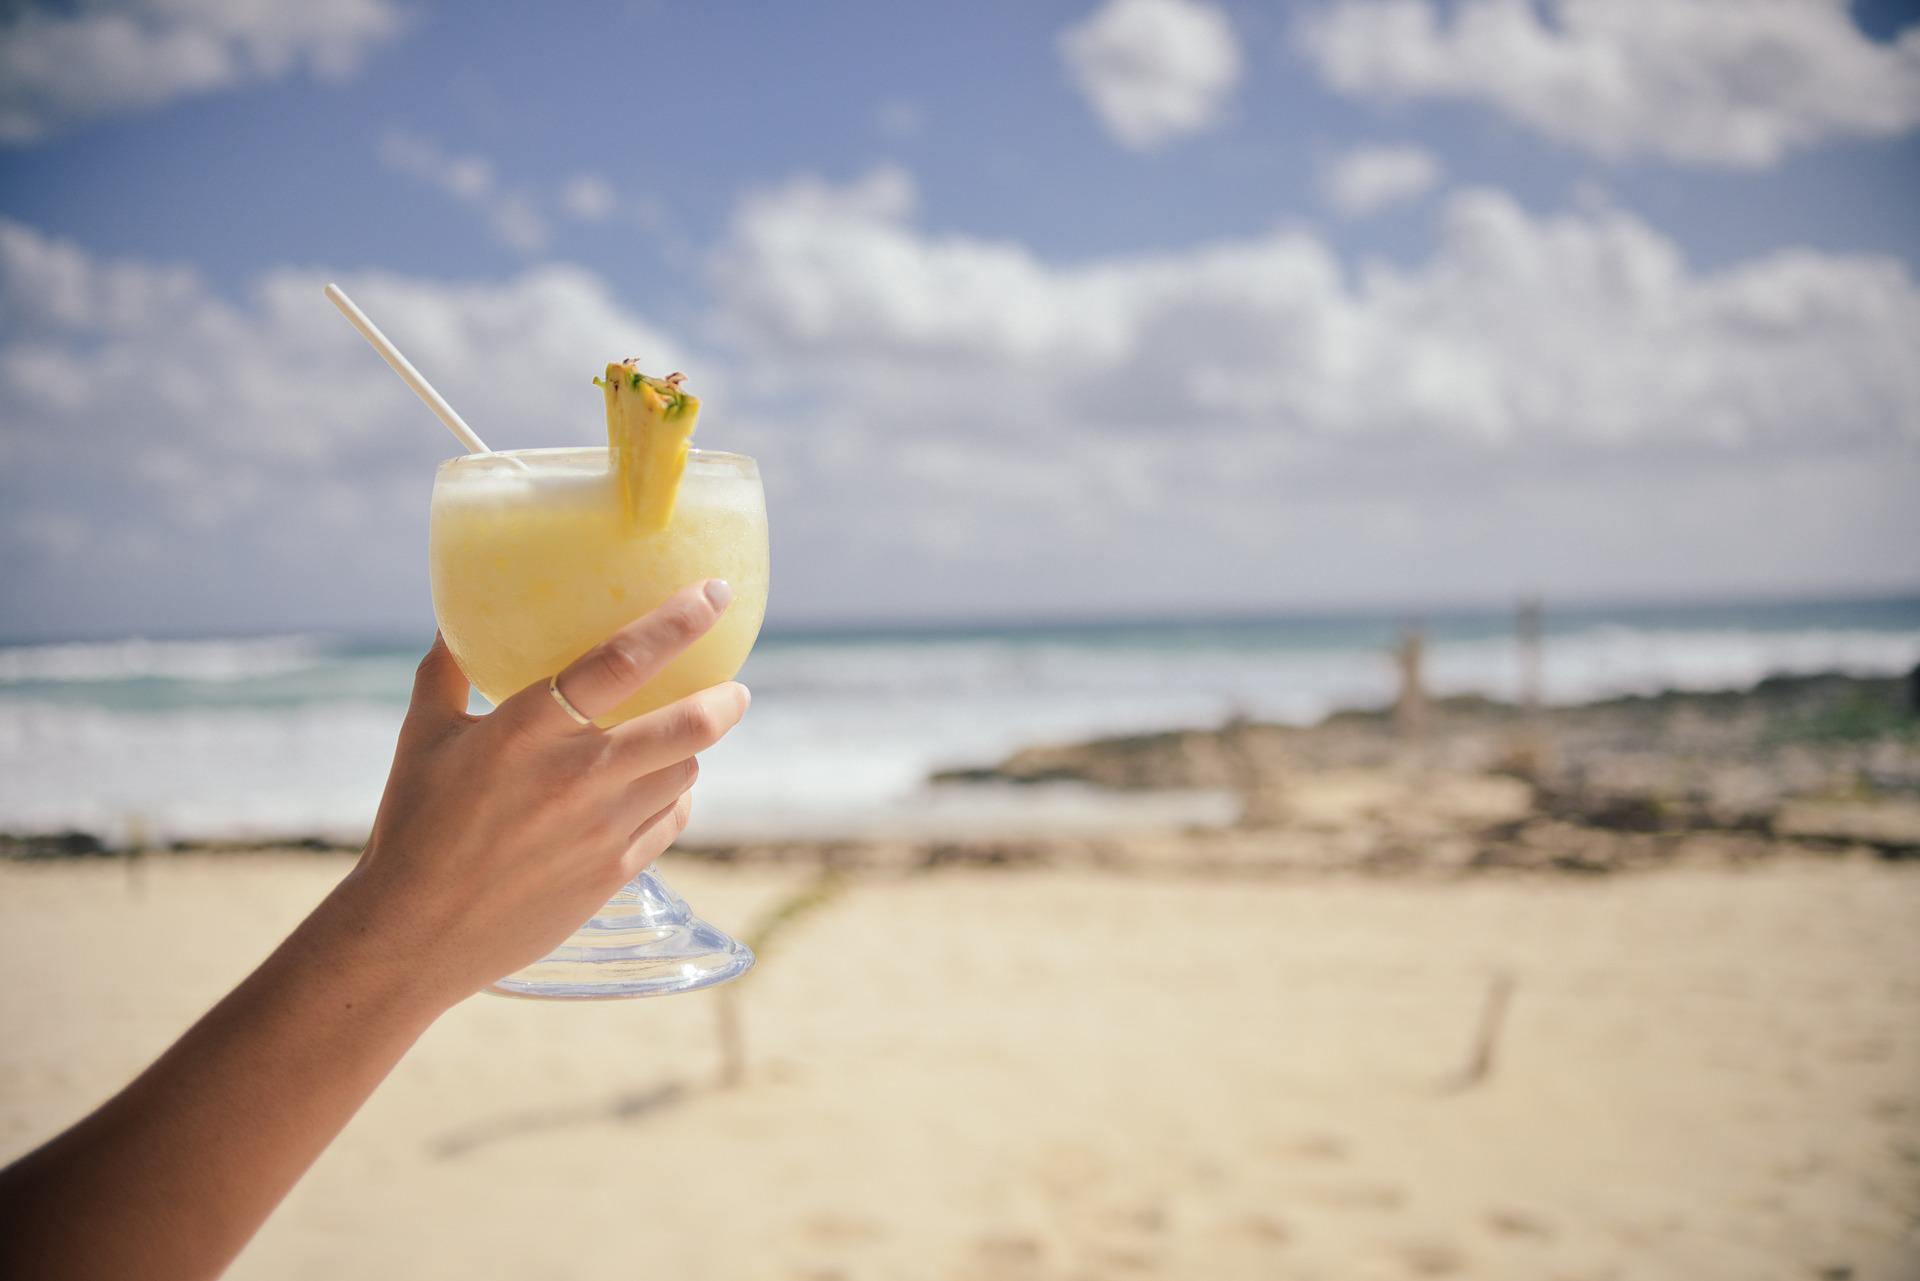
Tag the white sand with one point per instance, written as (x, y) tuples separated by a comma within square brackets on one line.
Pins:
[(1705, 1074)]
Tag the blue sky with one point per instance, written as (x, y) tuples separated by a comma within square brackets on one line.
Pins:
[(741, 96), (1412, 326)]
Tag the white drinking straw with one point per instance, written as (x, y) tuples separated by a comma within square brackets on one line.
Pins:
[(408, 374)]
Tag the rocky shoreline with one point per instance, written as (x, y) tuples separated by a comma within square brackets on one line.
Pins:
[(1821, 763)]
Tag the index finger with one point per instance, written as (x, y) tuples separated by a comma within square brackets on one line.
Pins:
[(611, 672)]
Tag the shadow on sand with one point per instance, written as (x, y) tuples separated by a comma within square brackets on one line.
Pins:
[(630, 1105)]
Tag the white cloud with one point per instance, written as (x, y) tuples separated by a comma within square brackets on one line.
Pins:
[(1150, 427), (588, 198), (1365, 180), (1520, 328), (832, 266), (60, 65), (1154, 70), (1712, 82), (265, 441), (949, 423), (468, 178), (471, 180)]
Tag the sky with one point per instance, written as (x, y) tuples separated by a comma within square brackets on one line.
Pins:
[(1029, 310)]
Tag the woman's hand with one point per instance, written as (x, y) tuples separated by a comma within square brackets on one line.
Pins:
[(498, 835)]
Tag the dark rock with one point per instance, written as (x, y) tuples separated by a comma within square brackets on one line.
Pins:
[(70, 844)]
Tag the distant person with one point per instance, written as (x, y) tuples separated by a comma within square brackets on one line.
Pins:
[(496, 837), (1410, 703)]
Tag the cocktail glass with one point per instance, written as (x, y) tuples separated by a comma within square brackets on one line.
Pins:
[(533, 563)]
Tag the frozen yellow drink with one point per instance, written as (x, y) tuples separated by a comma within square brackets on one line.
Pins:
[(537, 556)]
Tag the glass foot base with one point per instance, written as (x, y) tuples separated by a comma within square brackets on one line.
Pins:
[(644, 942)]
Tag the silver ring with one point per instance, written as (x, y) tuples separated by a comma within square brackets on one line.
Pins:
[(553, 688)]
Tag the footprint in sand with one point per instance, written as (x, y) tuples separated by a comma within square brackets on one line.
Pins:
[(1068, 1172), (1649, 1232), (1310, 1147), (1108, 1262), (1010, 1250), (1379, 1197), (1148, 1217), (1430, 1258), (1263, 1228), (1207, 1173), (1887, 1109), (840, 1230), (1866, 1049), (1518, 1223)]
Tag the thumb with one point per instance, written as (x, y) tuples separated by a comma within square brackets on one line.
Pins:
[(439, 687)]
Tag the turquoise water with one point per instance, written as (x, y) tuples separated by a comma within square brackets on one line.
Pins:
[(292, 734), (280, 671)]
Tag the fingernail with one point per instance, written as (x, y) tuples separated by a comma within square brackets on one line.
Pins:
[(718, 593)]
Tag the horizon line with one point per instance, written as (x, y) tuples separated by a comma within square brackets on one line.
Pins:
[(1411, 612)]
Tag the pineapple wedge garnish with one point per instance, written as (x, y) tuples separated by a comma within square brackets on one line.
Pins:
[(649, 426)]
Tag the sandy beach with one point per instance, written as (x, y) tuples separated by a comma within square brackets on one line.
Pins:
[(1703, 1072)]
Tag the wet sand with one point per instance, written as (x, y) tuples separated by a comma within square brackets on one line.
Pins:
[(1703, 1072)]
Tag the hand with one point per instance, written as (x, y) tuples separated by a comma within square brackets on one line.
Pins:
[(498, 835)]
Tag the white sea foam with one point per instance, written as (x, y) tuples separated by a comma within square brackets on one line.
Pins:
[(136, 658), (312, 770), (842, 735)]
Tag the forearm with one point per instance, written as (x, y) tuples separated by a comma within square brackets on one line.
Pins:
[(172, 1176)]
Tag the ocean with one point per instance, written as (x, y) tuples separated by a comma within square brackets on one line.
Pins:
[(291, 736)]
